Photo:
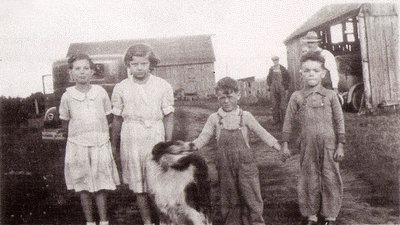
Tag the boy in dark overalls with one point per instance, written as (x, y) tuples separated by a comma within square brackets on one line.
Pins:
[(322, 137), (241, 201)]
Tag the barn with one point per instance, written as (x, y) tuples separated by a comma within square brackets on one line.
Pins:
[(187, 62), (363, 33)]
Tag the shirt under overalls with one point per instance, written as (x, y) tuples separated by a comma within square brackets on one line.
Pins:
[(241, 201)]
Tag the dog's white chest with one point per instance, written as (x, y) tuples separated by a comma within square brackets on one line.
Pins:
[(169, 186)]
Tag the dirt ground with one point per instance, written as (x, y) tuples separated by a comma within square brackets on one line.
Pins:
[(279, 180), (40, 197)]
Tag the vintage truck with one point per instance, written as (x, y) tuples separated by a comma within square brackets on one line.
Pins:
[(364, 39)]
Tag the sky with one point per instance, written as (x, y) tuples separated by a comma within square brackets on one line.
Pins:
[(246, 33)]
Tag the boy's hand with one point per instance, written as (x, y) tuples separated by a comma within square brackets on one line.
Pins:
[(339, 153), (277, 146), (285, 151)]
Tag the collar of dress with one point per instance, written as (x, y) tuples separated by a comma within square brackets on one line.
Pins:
[(139, 83), (80, 96)]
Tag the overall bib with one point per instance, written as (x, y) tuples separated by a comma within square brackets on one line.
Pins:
[(320, 186), (241, 201), (278, 97)]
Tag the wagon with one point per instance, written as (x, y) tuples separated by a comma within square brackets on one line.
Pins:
[(364, 39)]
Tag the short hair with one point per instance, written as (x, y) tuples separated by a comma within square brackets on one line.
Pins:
[(227, 85), (312, 56), (141, 50), (80, 56)]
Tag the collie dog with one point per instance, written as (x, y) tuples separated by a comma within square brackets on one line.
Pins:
[(179, 184)]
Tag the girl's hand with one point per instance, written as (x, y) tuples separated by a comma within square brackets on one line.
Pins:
[(285, 151), (339, 153)]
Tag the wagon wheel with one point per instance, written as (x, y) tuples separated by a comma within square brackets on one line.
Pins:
[(357, 98)]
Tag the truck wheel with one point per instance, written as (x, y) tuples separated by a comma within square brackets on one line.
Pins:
[(356, 98)]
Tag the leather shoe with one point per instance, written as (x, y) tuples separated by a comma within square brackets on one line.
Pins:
[(327, 222)]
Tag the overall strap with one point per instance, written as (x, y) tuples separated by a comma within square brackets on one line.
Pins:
[(241, 124), (304, 103), (220, 119)]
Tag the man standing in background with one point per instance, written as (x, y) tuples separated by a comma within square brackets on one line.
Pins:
[(331, 80), (278, 80)]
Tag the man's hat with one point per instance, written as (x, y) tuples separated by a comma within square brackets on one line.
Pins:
[(273, 58), (311, 36)]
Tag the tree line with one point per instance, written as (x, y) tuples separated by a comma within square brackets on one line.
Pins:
[(15, 111)]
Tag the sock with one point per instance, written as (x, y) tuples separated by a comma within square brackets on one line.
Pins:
[(313, 218), (330, 219), (90, 223), (103, 223)]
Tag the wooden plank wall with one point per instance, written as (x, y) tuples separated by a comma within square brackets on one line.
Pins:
[(199, 78), (382, 43), (293, 60)]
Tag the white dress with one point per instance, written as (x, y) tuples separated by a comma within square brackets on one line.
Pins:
[(143, 107), (89, 164)]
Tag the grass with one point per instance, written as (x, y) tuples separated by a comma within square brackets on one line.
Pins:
[(371, 152)]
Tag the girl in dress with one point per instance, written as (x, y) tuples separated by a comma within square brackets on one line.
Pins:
[(143, 116), (85, 110)]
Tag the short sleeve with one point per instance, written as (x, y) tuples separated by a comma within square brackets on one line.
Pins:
[(106, 102), (167, 103), (64, 110), (117, 101)]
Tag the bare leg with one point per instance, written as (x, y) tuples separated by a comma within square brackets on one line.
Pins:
[(144, 207), (86, 202), (101, 202)]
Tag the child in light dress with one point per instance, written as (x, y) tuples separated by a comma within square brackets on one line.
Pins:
[(143, 116), (85, 110)]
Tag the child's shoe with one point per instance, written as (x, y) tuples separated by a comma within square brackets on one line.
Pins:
[(103, 223), (310, 222), (329, 221)]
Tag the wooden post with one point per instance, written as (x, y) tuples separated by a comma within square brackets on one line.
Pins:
[(36, 107), (364, 60)]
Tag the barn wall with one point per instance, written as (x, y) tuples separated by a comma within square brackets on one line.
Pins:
[(382, 42), (193, 78), (293, 60)]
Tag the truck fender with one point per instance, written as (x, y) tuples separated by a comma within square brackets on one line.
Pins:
[(351, 91), (50, 114)]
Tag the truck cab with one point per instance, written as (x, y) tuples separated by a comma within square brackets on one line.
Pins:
[(109, 70)]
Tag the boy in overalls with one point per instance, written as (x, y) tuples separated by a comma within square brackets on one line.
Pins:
[(322, 137), (241, 201)]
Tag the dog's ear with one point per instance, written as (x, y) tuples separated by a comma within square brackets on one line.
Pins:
[(159, 149)]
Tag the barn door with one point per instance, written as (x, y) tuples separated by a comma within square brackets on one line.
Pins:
[(191, 81)]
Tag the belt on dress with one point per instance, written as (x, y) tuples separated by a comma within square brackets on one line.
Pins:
[(146, 123)]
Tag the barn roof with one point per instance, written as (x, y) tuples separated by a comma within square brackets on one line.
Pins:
[(324, 17), (171, 50)]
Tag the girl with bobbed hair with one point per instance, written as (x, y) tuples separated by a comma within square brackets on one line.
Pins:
[(143, 116), (142, 50)]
